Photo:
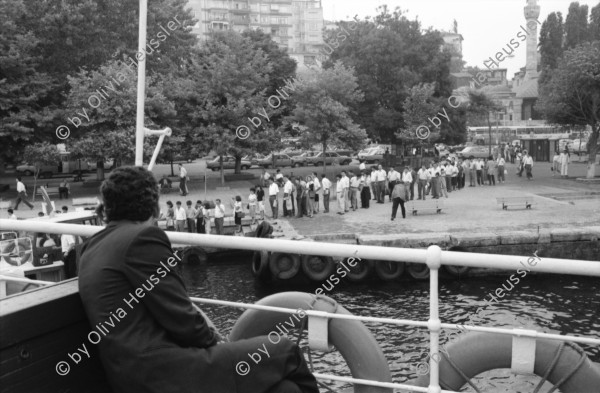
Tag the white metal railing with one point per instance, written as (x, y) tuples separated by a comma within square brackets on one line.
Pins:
[(434, 257)]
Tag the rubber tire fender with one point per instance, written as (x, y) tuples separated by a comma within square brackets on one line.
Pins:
[(457, 271), (325, 267), (260, 265), (418, 271), (24, 259), (476, 353), (194, 255), (388, 270), (361, 271), (284, 266), (351, 338)]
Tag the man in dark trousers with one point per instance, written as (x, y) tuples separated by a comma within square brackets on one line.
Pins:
[(153, 338)]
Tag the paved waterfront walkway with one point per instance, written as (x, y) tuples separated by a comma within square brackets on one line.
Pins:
[(470, 209)]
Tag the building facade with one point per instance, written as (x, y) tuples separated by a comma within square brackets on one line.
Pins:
[(296, 25)]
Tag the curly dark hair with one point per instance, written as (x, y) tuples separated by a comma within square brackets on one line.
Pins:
[(130, 193)]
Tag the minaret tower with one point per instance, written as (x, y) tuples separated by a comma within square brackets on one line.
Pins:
[(532, 12)]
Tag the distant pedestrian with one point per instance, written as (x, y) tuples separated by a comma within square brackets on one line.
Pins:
[(479, 171), (413, 174), (556, 167), (279, 178), (183, 178), (21, 195), (273, 193), (341, 195), (354, 185), (180, 217), (528, 164), (264, 178), (238, 212), (219, 217), (423, 178), (472, 172), (365, 190), (170, 216), (199, 218), (63, 189), (492, 169), (326, 184), (260, 201), (190, 214), (393, 178), (380, 175), (318, 187), (564, 160), (346, 186), (501, 162), (310, 201), (252, 205), (400, 195), (301, 197), (206, 217), (288, 187)]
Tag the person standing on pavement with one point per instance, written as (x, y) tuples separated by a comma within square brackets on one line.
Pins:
[(273, 192), (373, 175), (303, 195), (264, 178), (219, 216), (393, 177), (252, 204), (413, 174), (473, 172), (479, 171), (310, 201), (406, 177), (206, 217), (340, 193), (501, 163), (317, 184), (199, 218), (492, 169), (170, 216), (528, 162), (180, 217), (362, 166), (63, 189), (400, 195), (365, 190), (346, 185), (354, 186), (326, 185), (22, 195), (288, 187), (238, 212), (424, 178), (381, 177), (260, 201), (183, 178), (190, 214), (564, 160)]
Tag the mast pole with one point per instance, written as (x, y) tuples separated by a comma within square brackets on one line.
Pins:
[(141, 87)]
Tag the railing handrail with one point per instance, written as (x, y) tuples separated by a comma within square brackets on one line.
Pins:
[(468, 259)]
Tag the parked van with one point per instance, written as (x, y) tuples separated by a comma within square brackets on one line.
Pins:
[(66, 165)]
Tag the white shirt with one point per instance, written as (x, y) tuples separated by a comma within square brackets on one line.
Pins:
[(279, 176), (362, 166), (424, 174), (219, 211), (252, 199), (380, 175), (20, 187), (273, 189), (180, 213), (393, 175), (66, 241), (340, 186), (326, 184), (528, 160), (182, 172), (267, 176), (501, 161), (354, 182), (407, 177), (345, 182), (317, 184), (288, 187)]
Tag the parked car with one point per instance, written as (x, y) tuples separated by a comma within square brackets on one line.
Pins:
[(328, 158), (373, 155), (292, 152), (301, 159), (280, 160), (228, 163), (45, 170), (475, 151), (345, 152)]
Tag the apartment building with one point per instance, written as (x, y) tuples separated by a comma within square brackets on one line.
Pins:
[(295, 25)]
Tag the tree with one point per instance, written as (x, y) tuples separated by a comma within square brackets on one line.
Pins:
[(23, 90), (41, 154), (224, 88), (101, 111), (551, 44), (576, 25), (572, 95), (479, 106), (323, 99), (595, 23)]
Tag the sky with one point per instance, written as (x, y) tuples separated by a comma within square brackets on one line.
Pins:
[(486, 25)]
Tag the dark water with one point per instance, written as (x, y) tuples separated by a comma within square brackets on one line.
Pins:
[(547, 303)]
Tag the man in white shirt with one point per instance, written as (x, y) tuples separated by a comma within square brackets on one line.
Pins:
[(219, 216), (424, 177), (528, 163), (501, 163), (180, 217), (265, 178), (341, 195), (288, 187), (354, 183), (67, 242), (380, 176), (326, 184), (393, 178), (273, 192), (279, 178), (317, 187), (346, 185), (22, 195), (479, 171), (362, 167), (183, 180)]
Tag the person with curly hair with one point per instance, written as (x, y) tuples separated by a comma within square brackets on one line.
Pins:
[(154, 338)]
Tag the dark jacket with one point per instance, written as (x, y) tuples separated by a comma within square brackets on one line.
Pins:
[(401, 191), (150, 336)]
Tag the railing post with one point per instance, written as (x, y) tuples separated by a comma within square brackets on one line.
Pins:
[(433, 258)]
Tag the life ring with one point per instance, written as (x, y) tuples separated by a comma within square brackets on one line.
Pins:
[(566, 364), (194, 255), (418, 271), (352, 339), (283, 265), (317, 268), (457, 271), (14, 259), (361, 269), (260, 265), (388, 270)]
